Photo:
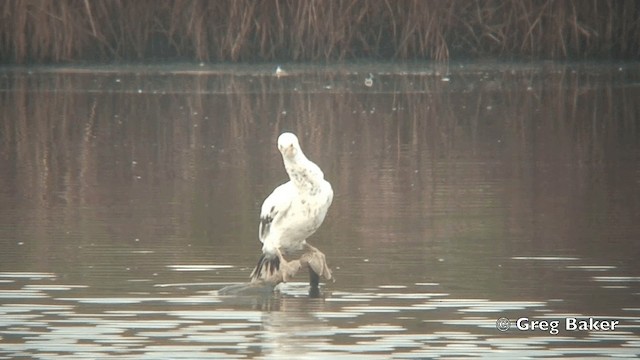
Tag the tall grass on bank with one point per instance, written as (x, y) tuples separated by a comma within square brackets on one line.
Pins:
[(269, 30)]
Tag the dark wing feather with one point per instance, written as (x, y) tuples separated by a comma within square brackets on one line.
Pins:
[(274, 207)]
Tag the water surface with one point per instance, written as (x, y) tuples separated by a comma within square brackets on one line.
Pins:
[(467, 193)]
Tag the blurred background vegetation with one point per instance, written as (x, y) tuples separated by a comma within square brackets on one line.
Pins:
[(72, 31)]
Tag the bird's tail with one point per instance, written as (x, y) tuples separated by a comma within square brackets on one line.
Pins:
[(267, 269)]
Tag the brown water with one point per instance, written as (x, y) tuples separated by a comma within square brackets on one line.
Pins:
[(464, 194)]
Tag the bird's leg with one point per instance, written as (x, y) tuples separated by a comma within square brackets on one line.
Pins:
[(288, 269), (316, 261)]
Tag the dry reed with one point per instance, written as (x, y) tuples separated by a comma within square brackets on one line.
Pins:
[(38, 31)]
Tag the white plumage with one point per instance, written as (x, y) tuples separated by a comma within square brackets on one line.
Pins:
[(292, 213)]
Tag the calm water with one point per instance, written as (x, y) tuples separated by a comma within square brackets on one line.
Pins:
[(129, 197)]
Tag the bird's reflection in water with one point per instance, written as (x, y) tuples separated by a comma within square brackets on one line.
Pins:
[(289, 325), (288, 322)]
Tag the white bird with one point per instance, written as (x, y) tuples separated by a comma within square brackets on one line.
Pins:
[(292, 213), (279, 72), (368, 82)]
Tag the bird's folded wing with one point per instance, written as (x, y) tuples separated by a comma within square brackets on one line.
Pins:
[(275, 206)]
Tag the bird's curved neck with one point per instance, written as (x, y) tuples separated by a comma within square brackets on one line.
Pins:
[(302, 172)]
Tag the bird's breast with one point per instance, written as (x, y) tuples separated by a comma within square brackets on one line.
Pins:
[(304, 217)]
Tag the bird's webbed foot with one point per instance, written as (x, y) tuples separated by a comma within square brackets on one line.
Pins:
[(317, 262)]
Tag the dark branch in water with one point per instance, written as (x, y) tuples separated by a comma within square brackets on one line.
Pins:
[(314, 282)]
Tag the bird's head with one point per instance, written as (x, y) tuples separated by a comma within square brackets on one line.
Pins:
[(288, 145)]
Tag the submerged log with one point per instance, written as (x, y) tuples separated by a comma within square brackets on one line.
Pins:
[(261, 286)]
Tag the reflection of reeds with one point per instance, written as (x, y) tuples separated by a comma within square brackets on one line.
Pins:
[(369, 144), (245, 30), (193, 166)]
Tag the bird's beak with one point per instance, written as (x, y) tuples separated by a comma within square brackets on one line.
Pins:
[(289, 151)]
